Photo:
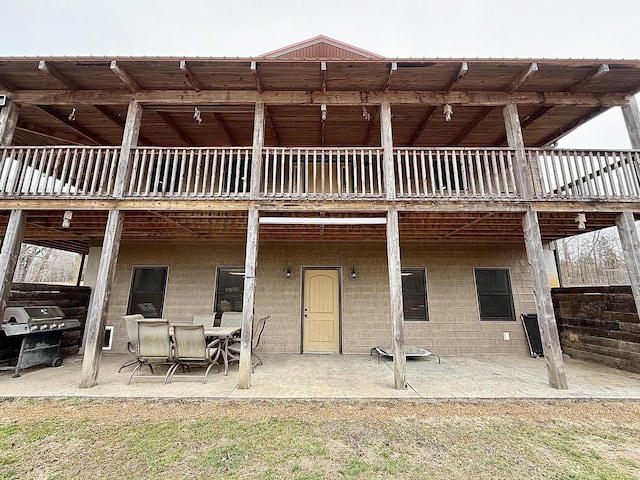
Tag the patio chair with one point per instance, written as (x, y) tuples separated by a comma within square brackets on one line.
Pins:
[(231, 319), (191, 348), (257, 329), (154, 345), (204, 319), (131, 324)]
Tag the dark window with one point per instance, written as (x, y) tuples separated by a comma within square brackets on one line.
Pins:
[(414, 294), (147, 291), (229, 289), (494, 294)]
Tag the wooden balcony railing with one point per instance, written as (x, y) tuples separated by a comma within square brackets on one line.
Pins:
[(454, 173), (317, 173), (58, 171), (323, 173), (190, 172), (586, 175)]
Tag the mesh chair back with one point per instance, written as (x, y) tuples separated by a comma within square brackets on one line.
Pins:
[(231, 319), (204, 319), (131, 324), (190, 342), (153, 339)]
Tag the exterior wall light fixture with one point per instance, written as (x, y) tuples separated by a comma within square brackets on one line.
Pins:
[(288, 273), (353, 273)]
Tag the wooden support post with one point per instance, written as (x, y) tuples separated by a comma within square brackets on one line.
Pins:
[(256, 156), (526, 183), (386, 140), (10, 253), (8, 122), (631, 115), (94, 335), (244, 374), (129, 141), (397, 308), (544, 304), (631, 250)]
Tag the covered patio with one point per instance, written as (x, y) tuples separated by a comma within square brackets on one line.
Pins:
[(286, 376)]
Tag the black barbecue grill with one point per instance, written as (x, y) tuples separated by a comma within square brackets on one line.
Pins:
[(34, 333)]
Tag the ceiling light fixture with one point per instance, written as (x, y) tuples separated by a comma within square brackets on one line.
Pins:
[(448, 112)]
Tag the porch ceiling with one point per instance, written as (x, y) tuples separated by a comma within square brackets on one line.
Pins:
[(100, 120), (87, 227)]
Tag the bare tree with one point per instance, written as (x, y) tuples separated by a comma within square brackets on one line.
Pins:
[(38, 264)]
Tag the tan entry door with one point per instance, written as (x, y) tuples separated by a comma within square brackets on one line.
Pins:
[(321, 316)]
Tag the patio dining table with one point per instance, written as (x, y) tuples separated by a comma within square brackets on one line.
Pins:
[(222, 333)]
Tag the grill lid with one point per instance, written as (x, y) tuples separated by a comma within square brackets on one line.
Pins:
[(32, 314)]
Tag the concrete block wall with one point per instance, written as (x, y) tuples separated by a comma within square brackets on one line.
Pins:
[(454, 326)]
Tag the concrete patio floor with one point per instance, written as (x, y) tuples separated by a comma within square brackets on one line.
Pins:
[(339, 377)]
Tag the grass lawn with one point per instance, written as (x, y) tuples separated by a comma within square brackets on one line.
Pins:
[(305, 440)]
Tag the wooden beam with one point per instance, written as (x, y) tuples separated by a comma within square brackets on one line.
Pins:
[(473, 222), (53, 72), (544, 304), (631, 249), (397, 308), (10, 253), (177, 224), (241, 97), (124, 76), (464, 68), (256, 75), (631, 115), (223, 129), (472, 125), (8, 122), (189, 76), (246, 340), (392, 71), (597, 73), (94, 329), (522, 77), (522, 170), (83, 132), (422, 127), (323, 77), (129, 141), (176, 128), (386, 140)]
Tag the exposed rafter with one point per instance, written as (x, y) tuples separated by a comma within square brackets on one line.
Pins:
[(558, 134), (464, 68), (392, 71), (119, 121), (594, 75), (256, 75), (477, 220), (57, 140), (176, 128), (522, 77), (124, 76), (223, 129), (6, 85), (92, 137), (170, 220), (373, 121), (323, 77), (272, 124), (189, 76), (53, 72), (423, 125), (472, 125)]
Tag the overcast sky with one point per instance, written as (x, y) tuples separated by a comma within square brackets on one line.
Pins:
[(401, 28)]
